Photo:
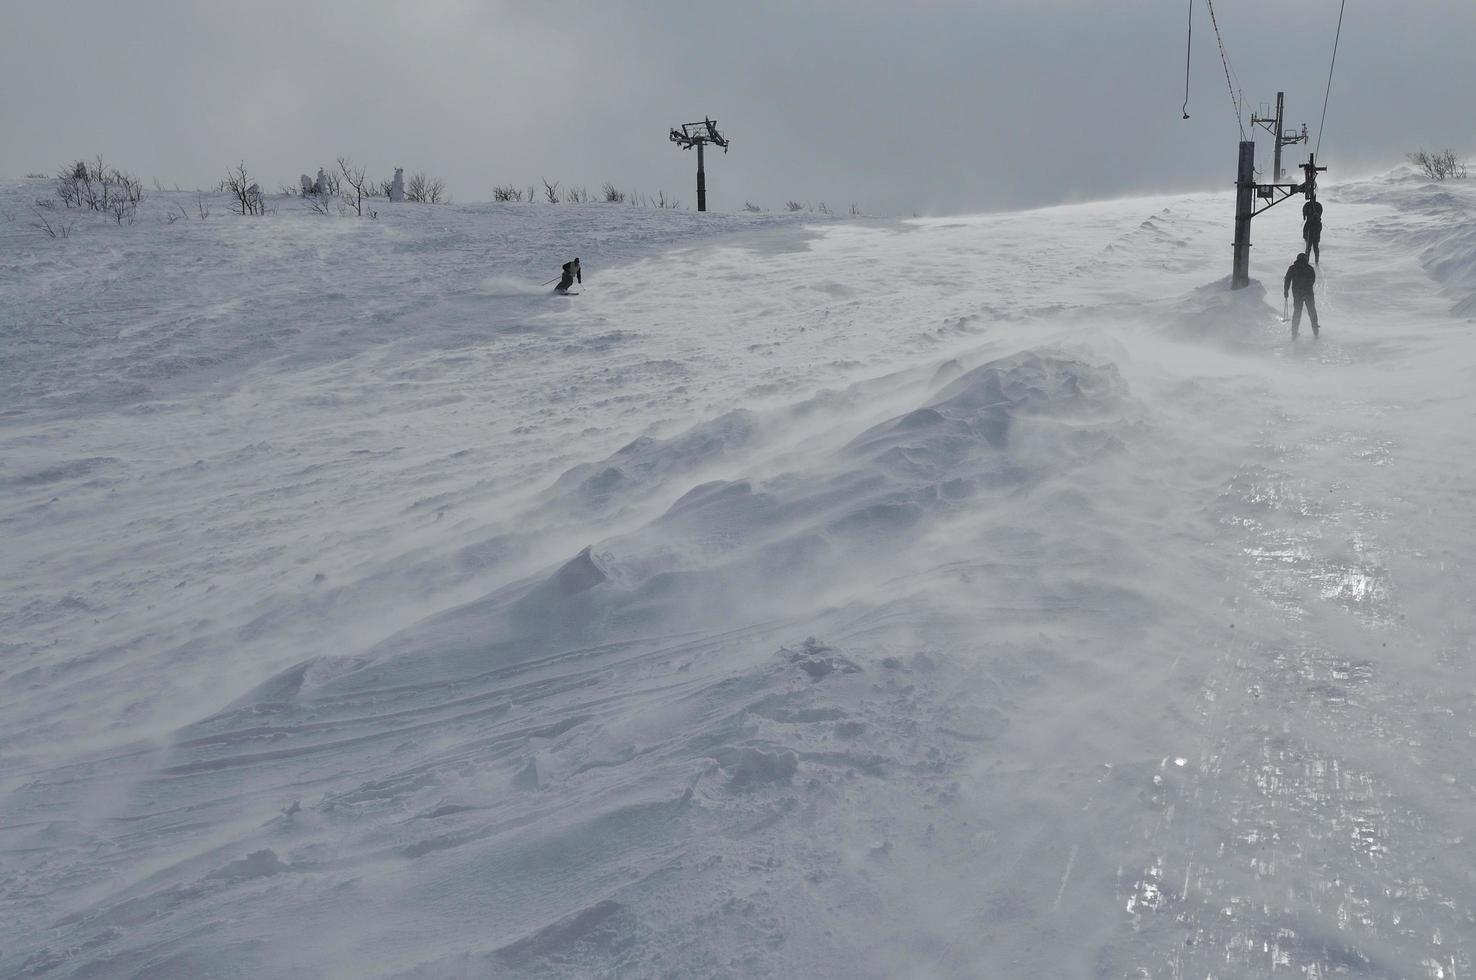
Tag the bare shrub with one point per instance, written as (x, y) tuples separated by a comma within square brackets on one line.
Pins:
[(202, 207), (320, 204), (122, 210), (425, 190), (357, 180), (96, 186), (53, 225), (178, 213), (855, 211), (507, 192), (612, 194), (751, 207), (793, 206), (1439, 165), (660, 200), (550, 191), (35, 176), (822, 208), (287, 190), (578, 195), (248, 199), (382, 189)]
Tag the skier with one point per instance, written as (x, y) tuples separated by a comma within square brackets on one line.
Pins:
[(1300, 278), (1312, 228), (571, 273)]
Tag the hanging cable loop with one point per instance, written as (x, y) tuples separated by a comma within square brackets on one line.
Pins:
[(1188, 47)]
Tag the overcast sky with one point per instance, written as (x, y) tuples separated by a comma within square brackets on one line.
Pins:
[(896, 105)]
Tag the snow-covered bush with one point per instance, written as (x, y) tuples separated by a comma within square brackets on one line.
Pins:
[(613, 194), (507, 192)]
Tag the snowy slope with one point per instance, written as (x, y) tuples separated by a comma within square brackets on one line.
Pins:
[(993, 596)]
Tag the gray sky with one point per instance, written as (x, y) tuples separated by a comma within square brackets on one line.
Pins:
[(895, 105)]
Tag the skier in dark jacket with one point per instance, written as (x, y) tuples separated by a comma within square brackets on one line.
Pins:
[(1300, 278), (571, 273), (1312, 228)]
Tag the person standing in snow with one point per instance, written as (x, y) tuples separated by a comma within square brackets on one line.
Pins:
[(1300, 278), (571, 274), (1312, 228)]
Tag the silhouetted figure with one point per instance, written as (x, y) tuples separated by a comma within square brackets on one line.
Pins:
[(1312, 228), (1300, 278), (571, 274)]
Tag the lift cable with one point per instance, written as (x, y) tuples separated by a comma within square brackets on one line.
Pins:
[(1330, 68), (1225, 60)]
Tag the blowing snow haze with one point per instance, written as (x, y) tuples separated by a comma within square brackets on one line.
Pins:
[(998, 595), (933, 106)]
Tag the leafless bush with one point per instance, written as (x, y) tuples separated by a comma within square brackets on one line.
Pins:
[(35, 176), (613, 194), (794, 206), (320, 204), (248, 199), (178, 213), (382, 189), (532, 193), (48, 203), (821, 207), (550, 191), (287, 190), (122, 210), (96, 186), (750, 206), (855, 211), (507, 192), (201, 206), (660, 200), (54, 225), (1439, 165), (357, 180), (578, 195), (426, 190)]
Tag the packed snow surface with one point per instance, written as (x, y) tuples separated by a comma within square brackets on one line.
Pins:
[(997, 596)]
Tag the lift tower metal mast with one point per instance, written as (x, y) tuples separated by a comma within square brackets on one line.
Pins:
[(1280, 137), (699, 134), (1247, 192)]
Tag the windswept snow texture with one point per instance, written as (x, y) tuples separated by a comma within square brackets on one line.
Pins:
[(987, 597)]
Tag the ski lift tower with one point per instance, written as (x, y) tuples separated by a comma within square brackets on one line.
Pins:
[(699, 134), (1281, 137), (1247, 191)]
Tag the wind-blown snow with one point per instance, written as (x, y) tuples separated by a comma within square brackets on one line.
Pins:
[(993, 596)]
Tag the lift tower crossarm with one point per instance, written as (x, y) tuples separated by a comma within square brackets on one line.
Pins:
[(699, 134)]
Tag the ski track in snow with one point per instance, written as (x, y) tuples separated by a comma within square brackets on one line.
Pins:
[(991, 596)]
